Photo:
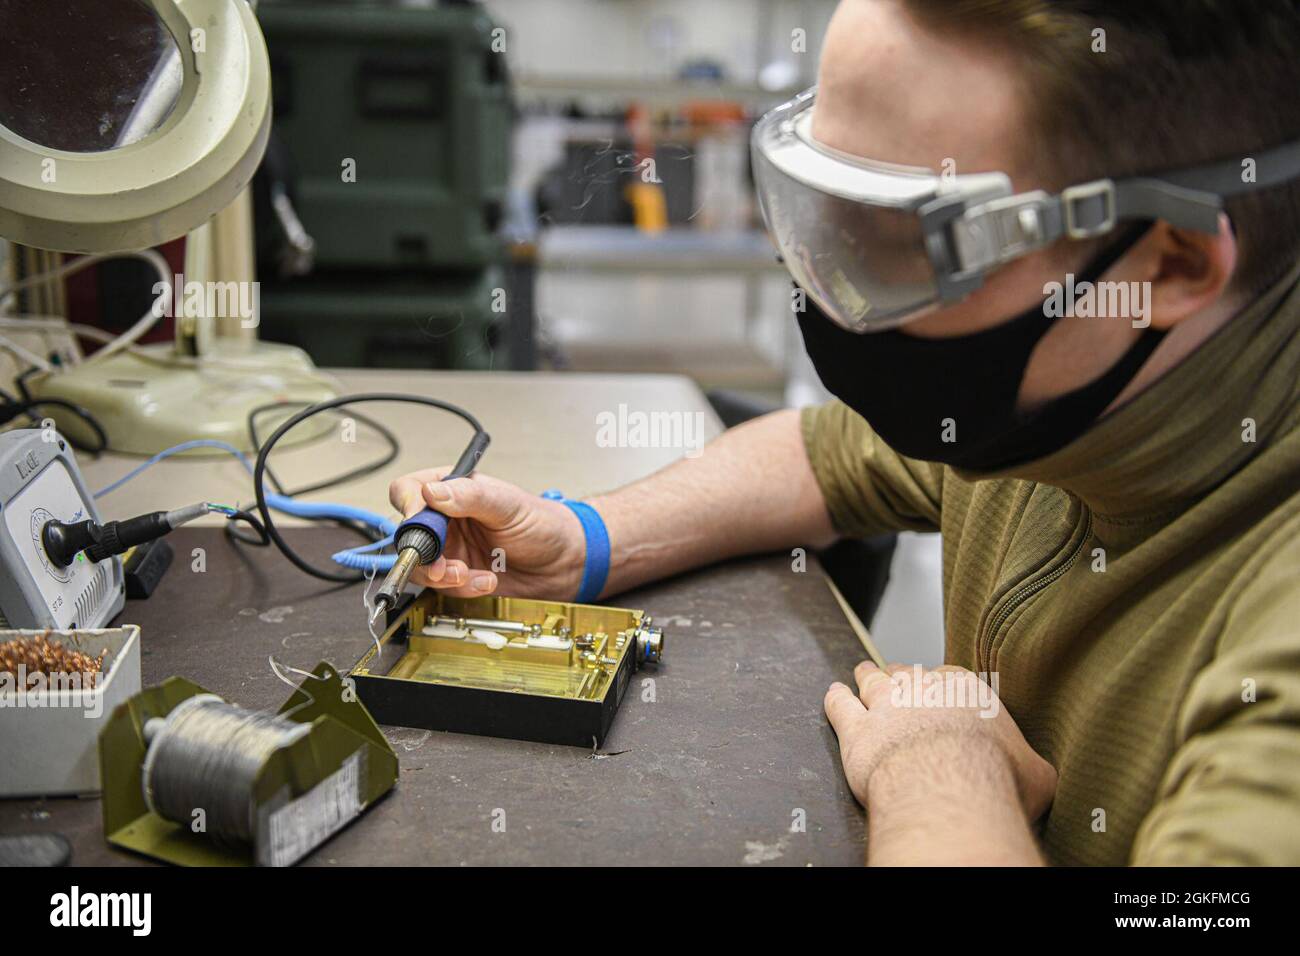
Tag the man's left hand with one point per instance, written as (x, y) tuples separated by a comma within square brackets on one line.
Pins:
[(911, 732)]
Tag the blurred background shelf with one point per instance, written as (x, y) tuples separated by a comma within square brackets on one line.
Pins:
[(617, 249)]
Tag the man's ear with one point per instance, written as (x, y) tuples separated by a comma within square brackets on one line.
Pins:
[(1188, 270)]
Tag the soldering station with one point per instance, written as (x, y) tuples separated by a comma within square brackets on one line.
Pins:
[(551, 671), (278, 785), (269, 787)]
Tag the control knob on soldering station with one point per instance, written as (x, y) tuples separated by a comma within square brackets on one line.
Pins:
[(420, 538)]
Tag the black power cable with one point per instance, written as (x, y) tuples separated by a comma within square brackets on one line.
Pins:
[(479, 439), (394, 448), (259, 538), (11, 408)]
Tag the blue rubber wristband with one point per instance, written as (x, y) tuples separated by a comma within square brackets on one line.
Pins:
[(596, 569)]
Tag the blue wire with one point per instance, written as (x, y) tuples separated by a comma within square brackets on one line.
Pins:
[(357, 558), (176, 450)]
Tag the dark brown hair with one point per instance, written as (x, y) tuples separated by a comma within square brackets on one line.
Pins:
[(1181, 82)]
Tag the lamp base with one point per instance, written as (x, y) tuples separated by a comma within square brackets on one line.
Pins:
[(146, 402)]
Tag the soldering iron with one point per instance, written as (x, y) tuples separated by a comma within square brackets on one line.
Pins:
[(420, 538)]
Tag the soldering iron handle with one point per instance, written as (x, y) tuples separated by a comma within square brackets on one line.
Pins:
[(468, 460), (434, 522)]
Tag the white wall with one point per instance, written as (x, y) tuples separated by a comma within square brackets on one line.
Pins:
[(651, 39)]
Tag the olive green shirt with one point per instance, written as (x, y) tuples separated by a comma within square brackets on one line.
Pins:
[(1137, 594)]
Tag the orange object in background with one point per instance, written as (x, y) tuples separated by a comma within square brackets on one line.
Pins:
[(713, 113), (645, 194), (649, 207)]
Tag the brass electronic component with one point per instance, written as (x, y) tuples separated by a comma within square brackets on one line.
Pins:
[(512, 667)]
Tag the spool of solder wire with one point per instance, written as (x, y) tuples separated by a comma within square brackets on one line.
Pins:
[(205, 757)]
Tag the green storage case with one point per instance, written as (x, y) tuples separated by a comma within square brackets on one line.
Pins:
[(420, 102), (372, 320)]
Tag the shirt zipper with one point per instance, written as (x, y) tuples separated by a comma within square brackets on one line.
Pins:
[(1026, 591)]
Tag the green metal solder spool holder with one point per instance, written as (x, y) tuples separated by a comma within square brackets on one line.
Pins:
[(340, 727)]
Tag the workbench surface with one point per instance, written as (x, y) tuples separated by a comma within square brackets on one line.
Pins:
[(545, 429), (732, 762), (732, 753)]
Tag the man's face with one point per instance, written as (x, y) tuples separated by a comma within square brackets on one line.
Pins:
[(890, 90)]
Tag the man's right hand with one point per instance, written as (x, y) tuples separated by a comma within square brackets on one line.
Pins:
[(751, 491), (499, 537)]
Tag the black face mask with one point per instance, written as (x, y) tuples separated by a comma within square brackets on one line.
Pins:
[(953, 400)]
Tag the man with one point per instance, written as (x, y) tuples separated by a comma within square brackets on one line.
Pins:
[(1119, 496)]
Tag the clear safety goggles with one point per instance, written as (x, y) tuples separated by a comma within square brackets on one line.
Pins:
[(877, 245)]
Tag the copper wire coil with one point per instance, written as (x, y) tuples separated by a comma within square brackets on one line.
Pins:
[(29, 658)]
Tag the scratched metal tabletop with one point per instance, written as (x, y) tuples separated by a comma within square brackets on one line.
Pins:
[(725, 759)]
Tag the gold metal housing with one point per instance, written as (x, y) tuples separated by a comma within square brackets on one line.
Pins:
[(552, 671)]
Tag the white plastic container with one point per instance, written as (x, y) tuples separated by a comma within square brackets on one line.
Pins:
[(49, 739)]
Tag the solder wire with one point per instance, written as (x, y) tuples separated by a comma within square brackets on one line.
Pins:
[(372, 612), (205, 756), (279, 670)]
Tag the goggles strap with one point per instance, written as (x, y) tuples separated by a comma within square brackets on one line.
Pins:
[(1191, 198), (1008, 227)]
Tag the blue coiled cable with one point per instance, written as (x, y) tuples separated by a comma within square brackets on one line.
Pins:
[(360, 558)]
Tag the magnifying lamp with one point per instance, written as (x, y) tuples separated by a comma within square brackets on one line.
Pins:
[(125, 124)]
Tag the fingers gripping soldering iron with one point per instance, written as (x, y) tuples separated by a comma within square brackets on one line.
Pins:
[(420, 538)]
